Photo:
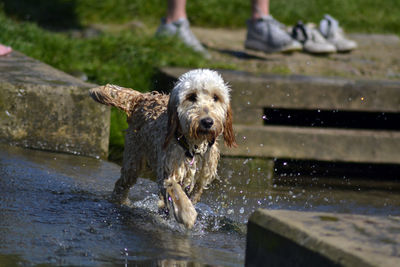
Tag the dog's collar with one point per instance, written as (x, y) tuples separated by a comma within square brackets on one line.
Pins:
[(182, 141)]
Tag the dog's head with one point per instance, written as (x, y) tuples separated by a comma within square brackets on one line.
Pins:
[(199, 107)]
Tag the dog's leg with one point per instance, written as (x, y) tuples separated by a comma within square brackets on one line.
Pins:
[(196, 194), (179, 203), (129, 175)]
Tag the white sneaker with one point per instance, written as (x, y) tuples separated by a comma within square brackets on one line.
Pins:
[(329, 28), (313, 42), (181, 29)]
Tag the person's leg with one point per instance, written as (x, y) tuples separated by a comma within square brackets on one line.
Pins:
[(4, 50), (266, 34), (176, 10), (259, 8)]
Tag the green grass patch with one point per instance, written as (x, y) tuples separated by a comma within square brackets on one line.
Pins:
[(354, 15)]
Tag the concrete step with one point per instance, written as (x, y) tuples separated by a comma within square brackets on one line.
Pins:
[(376, 58), (44, 108), (358, 146), (295, 238)]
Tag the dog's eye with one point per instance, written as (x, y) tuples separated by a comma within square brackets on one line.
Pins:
[(216, 98), (192, 97)]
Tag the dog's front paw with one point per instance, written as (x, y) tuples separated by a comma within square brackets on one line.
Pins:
[(181, 206)]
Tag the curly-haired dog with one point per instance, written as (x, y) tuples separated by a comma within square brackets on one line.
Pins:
[(176, 135)]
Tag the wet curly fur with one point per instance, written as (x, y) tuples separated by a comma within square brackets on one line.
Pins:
[(176, 135)]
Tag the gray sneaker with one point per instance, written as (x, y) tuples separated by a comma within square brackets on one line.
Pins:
[(268, 35), (329, 28), (181, 29)]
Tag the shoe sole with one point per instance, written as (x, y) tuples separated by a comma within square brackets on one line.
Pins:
[(255, 45)]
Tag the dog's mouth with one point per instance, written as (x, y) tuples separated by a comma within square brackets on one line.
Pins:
[(208, 131), (202, 131), (209, 134)]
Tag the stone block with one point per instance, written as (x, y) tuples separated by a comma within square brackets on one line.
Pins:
[(44, 108), (295, 238), (250, 173), (307, 143)]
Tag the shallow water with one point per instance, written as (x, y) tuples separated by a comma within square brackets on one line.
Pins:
[(54, 209)]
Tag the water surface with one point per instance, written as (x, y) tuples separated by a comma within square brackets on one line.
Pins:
[(54, 209)]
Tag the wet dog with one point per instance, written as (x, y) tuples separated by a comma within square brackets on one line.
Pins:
[(176, 136)]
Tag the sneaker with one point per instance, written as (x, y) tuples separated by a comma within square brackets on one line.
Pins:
[(312, 40), (329, 28), (268, 35), (181, 29)]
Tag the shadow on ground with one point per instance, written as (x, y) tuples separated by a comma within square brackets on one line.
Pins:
[(50, 14)]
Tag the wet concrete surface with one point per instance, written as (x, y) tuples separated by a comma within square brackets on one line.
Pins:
[(54, 209)]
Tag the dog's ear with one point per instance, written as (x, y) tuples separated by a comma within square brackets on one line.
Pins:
[(173, 122), (229, 136)]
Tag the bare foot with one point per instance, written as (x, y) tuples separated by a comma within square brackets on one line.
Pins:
[(5, 50)]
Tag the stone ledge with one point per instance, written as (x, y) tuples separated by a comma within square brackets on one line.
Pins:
[(307, 143), (293, 238), (44, 108)]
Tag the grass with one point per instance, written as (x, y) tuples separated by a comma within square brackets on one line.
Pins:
[(354, 15), (130, 57)]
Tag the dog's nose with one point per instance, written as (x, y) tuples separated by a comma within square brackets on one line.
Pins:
[(207, 123)]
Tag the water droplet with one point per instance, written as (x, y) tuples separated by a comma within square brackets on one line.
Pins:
[(230, 211), (264, 117), (241, 210)]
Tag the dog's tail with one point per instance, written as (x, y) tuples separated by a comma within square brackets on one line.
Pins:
[(113, 95)]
